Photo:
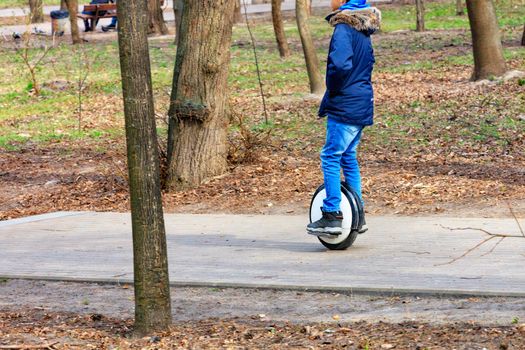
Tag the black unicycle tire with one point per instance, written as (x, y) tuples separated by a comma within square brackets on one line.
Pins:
[(347, 243)]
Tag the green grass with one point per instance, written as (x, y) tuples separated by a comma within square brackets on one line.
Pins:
[(442, 15), (53, 115)]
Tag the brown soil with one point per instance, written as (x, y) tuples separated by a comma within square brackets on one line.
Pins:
[(71, 331), (41, 180)]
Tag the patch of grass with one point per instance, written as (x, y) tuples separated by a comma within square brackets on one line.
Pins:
[(11, 141), (53, 115), (442, 15)]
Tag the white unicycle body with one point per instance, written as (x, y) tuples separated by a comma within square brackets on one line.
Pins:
[(353, 217)]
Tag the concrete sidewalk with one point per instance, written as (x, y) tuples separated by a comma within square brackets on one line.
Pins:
[(398, 254)]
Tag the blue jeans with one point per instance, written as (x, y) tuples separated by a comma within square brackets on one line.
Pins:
[(340, 151)]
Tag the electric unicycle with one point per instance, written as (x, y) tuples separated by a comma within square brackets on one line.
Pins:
[(353, 217)]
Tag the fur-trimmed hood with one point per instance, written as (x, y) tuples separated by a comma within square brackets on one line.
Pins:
[(366, 20)]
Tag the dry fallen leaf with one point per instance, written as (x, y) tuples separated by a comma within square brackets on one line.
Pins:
[(521, 328)]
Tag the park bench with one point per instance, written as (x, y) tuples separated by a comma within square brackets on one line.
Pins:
[(99, 11)]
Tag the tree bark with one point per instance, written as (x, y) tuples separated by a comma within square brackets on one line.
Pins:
[(72, 7), (152, 292), (198, 121), (486, 41), (523, 36), (37, 11), (278, 28), (460, 9), (420, 13), (237, 15), (317, 85), (178, 5), (309, 8), (157, 25)]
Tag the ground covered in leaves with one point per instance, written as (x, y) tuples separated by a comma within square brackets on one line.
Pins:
[(71, 331), (99, 316), (441, 144)]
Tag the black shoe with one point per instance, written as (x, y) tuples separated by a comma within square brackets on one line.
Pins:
[(330, 224), (108, 28), (363, 228)]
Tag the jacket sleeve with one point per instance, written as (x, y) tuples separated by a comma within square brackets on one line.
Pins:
[(340, 56)]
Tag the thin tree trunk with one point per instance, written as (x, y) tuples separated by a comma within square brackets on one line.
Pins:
[(152, 292), (523, 37), (198, 121), (420, 12), (460, 9), (309, 8), (37, 11), (278, 28), (178, 5), (157, 25), (486, 41), (72, 7), (237, 16), (317, 85)]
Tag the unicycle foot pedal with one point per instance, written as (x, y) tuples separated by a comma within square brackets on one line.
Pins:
[(324, 234)]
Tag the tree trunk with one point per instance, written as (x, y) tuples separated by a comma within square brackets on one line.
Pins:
[(152, 292), (37, 11), (420, 12), (278, 28), (178, 5), (72, 7), (237, 15), (309, 7), (157, 25), (317, 85), (523, 36), (198, 122), (486, 41), (460, 10)]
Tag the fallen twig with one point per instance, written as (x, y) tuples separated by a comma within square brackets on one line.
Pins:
[(481, 230), (490, 237), (495, 245), (468, 251), (516, 218)]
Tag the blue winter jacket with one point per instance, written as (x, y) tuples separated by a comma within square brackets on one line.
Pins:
[(349, 96)]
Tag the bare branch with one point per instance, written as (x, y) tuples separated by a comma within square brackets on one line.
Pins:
[(495, 245), (486, 240), (468, 251), (481, 230), (256, 64), (516, 218)]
